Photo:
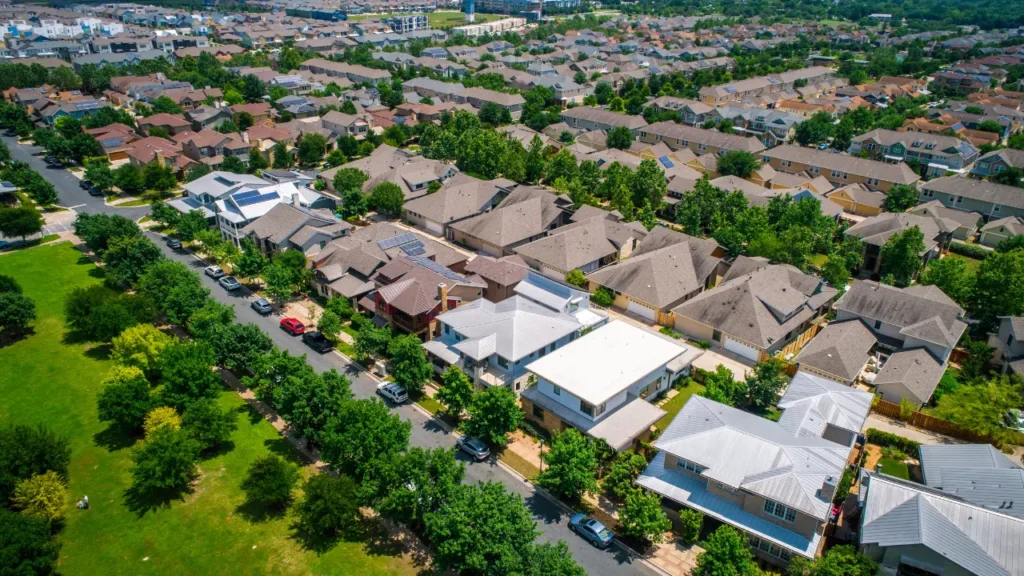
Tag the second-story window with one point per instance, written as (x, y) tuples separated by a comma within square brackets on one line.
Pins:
[(780, 511)]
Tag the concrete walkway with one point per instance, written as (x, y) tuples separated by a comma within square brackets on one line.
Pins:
[(903, 429)]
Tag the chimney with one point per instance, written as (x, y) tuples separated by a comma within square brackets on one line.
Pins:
[(442, 293), (245, 137), (160, 158), (828, 488)]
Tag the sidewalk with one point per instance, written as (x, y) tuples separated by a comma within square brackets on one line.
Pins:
[(903, 429)]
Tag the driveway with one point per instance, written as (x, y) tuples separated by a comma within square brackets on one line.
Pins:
[(426, 432)]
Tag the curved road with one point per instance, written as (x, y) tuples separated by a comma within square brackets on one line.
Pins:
[(551, 519)]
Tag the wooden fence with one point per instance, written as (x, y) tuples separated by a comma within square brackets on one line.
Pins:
[(941, 426)]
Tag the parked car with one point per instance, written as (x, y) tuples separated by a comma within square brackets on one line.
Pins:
[(1014, 420), (591, 530), (95, 191), (474, 447), (214, 272), (318, 342), (4, 244), (174, 244), (292, 326), (53, 162), (392, 392), (85, 184), (229, 283), (261, 306)]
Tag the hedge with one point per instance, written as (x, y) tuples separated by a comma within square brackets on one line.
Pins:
[(883, 439), (969, 250)]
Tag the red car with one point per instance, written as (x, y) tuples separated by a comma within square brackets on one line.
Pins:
[(292, 326)]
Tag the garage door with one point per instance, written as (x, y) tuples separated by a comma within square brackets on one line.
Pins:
[(748, 352), (434, 227), (641, 310)]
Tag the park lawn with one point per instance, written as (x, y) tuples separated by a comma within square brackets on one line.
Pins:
[(894, 468), (46, 380), (674, 405)]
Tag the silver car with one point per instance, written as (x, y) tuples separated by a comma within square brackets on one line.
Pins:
[(229, 283), (214, 272)]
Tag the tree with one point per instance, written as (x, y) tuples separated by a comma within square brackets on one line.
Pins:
[(96, 230), (197, 171), (257, 161), (953, 276), (641, 517), (328, 507), (493, 414), (406, 486), (206, 322), (571, 464), (250, 262), (127, 258), (21, 221), (130, 179), (269, 482), (244, 121), (409, 365), (726, 553), (999, 289), (191, 224), (646, 216), (335, 158), (100, 175), (387, 198), (1011, 176), (233, 164), (738, 163), (816, 129), (186, 372), (900, 198), (765, 382), (481, 527), (282, 158), (901, 256), (361, 431), (841, 560), (312, 148), (371, 341), (27, 545), (648, 184), (981, 407), (721, 387), (620, 137), (329, 324), (239, 347), (160, 418), (26, 451), (457, 392), (280, 281), (208, 425), (164, 105), (98, 314), (42, 495), (623, 473), (835, 271), (691, 523), (17, 311), (178, 291), (576, 278), (166, 461), (124, 400), (990, 126)]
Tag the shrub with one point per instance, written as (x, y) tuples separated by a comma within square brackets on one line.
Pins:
[(602, 297), (969, 250), (690, 524), (670, 332), (883, 439), (906, 410), (843, 489), (894, 453)]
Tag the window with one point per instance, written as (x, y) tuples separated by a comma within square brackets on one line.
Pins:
[(770, 548), (996, 209), (878, 324), (766, 159), (538, 412), (836, 173), (691, 466), (716, 336), (959, 199), (591, 410), (503, 362), (728, 489), (781, 511), (556, 389)]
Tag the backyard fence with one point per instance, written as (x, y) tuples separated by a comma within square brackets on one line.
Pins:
[(933, 424)]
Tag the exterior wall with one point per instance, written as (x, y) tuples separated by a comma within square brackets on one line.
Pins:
[(895, 393), (803, 525), (796, 167), (986, 209), (694, 330), (853, 207), (839, 436), (823, 374), (992, 238)]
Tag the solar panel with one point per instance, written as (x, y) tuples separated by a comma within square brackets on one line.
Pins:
[(414, 251), (257, 199), (245, 195), (435, 267), (666, 162), (413, 246), (389, 243), (87, 105)]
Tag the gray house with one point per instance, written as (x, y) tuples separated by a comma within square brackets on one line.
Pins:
[(1009, 344), (991, 200)]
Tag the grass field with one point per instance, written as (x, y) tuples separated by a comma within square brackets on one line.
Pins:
[(972, 263), (894, 468), (46, 380), (444, 19), (673, 406)]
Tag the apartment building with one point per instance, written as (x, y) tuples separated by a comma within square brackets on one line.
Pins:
[(839, 169), (938, 152), (698, 140), (764, 85), (590, 118)]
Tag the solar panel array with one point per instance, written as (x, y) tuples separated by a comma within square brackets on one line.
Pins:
[(250, 200), (389, 243), (414, 248), (435, 267), (666, 162), (87, 105)]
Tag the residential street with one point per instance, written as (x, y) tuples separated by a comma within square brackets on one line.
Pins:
[(551, 520)]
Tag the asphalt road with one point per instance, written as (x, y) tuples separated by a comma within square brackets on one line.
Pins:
[(426, 432)]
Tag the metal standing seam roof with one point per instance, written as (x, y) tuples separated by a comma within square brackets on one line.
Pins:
[(978, 473), (812, 402), (900, 513)]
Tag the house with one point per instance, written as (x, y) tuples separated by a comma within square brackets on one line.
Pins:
[(237, 210), (346, 124), (977, 473), (502, 275), (840, 352), (664, 269), (259, 111), (49, 111), (857, 199), (433, 89), (698, 140), (991, 200), (493, 343), (582, 245), (919, 325), (1003, 229), (172, 123), (839, 169), (477, 97), (1008, 344), (967, 222), (202, 194), (413, 174), (773, 481), (414, 290), (757, 310), (288, 226), (996, 161), (603, 383), (590, 118), (764, 85), (939, 153), (691, 112), (153, 148), (877, 230), (208, 117), (115, 140), (909, 528), (211, 147), (345, 267), (460, 197), (771, 127), (526, 214)]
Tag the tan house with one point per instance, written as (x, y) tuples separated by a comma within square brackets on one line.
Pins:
[(698, 140), (839, 169), (858, 199), (526, 214)]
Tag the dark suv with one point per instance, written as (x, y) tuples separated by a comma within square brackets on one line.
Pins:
[(317, 341)]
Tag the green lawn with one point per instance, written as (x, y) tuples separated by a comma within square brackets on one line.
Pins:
[(972, 263), (673, 406), (46, 380), (818, 260), (894, 468)]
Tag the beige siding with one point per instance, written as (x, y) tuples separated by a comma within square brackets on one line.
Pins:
[(692, 329), (803, 525)]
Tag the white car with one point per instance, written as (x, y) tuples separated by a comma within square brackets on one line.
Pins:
[(214, 272), (392, 392)]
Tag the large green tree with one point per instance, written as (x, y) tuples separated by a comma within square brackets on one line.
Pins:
[(457, 392), (738, 163), (409, 365), (387, 198), (571, 466), (900, 198), (186, 373), (406, 486), (362, 431), (999, 289), (765, 382), (841, 560), (165, 462), (493, 414), (726, 553), (125, 399), (953, 276), (328, 507), (175, 288), (20, 222), (127, 258), (641, 516), (901, 256), (270, 481)]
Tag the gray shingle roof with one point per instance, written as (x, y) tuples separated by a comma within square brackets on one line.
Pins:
[(981, 190), (923, 312), (526, 212), (460, 197), (841, 349), (916, 369), (579, 243), (827, 161), (877, 230)]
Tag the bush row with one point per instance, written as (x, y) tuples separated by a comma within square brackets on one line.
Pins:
[(880, 438), (969, 250)]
